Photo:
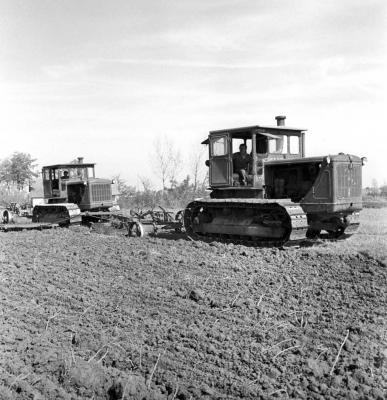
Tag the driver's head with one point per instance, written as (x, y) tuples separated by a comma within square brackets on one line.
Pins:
[(243, 148)]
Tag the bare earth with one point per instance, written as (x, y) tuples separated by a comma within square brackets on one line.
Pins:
[(102, 316)]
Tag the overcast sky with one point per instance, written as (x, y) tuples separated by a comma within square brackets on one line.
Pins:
[(105, 79)]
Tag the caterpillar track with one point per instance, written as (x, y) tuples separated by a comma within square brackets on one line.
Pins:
[(253, 221), (257, 222), (63, 214)]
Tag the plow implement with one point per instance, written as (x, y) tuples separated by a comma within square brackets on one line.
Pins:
[(137, 224)]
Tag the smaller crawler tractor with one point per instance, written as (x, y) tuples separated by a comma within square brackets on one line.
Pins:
[(73, 194), (282, 195)]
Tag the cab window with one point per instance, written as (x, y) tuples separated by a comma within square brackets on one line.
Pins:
[(294, 145), (276, 145), (54, 174), (81, 173), (237, 142), (219, 146)]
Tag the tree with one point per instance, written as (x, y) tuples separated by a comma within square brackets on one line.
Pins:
[(383, 189), (147, 198), (5, 172), (125, 192), (19, 169), (375, 187), (175, 165), (197, 167), (166, 162)]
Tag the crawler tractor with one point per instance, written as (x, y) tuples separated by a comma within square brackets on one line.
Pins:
[(284, 195), (73, 194)]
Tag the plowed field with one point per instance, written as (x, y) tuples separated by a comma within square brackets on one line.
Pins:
[(101, 316)]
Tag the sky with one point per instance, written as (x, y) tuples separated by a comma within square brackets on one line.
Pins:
[(107, 80)]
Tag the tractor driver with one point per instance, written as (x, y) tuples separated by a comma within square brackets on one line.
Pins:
[(241, 164), (65, 175)]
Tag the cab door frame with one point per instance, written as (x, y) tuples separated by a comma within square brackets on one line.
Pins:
[(220, 148)]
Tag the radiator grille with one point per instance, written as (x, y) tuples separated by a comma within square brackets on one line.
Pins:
[(101, 192), (349, 180)]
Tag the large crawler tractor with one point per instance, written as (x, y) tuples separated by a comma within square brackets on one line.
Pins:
[(280, 194)]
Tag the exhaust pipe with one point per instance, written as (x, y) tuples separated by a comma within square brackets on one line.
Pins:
[(80, 160), (280, 120)]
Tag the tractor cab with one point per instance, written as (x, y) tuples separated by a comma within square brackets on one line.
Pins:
[(264, 143), (76, 183), (57, 178)]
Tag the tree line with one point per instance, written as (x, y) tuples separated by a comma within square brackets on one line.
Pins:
[(18, 171), (146, 197), (175, 191), (376, 190)]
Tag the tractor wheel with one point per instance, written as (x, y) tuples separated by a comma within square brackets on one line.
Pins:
[(136, 229), (7, 217)]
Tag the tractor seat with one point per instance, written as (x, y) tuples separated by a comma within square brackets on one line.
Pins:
[(235, 180)]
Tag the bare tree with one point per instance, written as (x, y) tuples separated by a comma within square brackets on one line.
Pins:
[(375, 187), (197, 167), (147, 198), (166, 161), (146, 183), (175, 165)]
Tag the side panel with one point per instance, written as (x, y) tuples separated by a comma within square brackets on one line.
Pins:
[(337, 188), (319, 198), (220, 172), (47, 189), (322, 188)]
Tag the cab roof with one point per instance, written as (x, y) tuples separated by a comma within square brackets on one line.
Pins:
[(60, 166), (245, 131)]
